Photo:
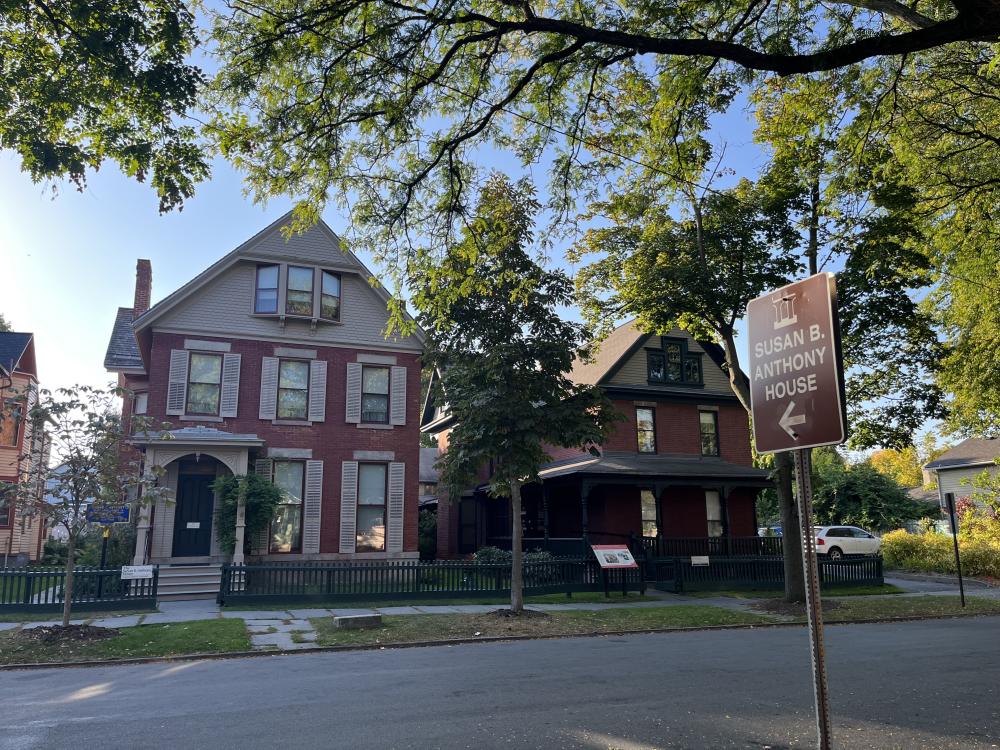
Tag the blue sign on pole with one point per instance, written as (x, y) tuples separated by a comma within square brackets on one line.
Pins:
[(107, 514)]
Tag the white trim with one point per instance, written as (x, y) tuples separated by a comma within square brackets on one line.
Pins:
[(296, 340), (208, 346), (375, 359)]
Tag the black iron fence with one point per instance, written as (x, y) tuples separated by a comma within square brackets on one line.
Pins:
[(679, 574), (414, 579), (43, 590), (721, 546)]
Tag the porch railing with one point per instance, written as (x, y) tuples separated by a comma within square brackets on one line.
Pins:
[(722, 546), (412, 579), (42, 590), (678, 574)]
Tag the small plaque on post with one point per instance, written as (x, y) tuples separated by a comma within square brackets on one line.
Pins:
[(614, 556)]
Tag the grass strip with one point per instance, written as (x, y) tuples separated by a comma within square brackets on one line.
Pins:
[(584, 597), (827, 591), (413, 628), (171, 639)]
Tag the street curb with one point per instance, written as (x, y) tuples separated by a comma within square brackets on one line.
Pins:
[(932, 578), (218, 656)]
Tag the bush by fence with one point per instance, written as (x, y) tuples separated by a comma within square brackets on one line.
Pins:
[(935, 553)]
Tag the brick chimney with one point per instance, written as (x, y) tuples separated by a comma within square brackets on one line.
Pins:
[(143, 286)]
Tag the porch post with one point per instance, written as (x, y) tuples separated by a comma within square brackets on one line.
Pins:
[(585, 489), (242, 467), (723, 501), (142, 530), (545, 513)]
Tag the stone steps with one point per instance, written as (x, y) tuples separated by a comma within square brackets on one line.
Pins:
[(184, 582)]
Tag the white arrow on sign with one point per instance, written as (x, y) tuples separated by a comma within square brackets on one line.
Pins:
[(787, 420)]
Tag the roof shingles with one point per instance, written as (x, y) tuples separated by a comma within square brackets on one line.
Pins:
[(123, 350), (12, 348)]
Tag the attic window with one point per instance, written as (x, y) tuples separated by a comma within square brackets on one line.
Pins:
[(297, 292), (266, 299), (299, 297), (329, 303), (673, 364)]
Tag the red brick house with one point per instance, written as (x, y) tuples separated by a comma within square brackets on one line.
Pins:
[(21, 536), (274, 360), (675, 476)]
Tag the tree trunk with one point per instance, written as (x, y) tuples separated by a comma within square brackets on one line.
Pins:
[(795, 586), (791, 536), (516, 553), (68, 579)]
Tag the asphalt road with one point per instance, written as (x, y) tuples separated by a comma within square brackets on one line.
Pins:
[(931, 684)]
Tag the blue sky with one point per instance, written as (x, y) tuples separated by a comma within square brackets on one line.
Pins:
[(72, 255)]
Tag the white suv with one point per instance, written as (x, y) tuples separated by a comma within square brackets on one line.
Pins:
[(838, 541)]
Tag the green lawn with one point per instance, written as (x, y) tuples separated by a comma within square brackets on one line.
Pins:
[(412, 628), (584, 597), (909, 606), (76, 614), (202, 636), (831, 591)]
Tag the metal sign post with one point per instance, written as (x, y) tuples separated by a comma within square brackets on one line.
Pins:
[(814, 608), (797, 402), (950, 498)]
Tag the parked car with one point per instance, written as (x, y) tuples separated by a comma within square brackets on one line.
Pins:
[(836, 542)]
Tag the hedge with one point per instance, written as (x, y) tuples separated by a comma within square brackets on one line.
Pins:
[(935, 553)]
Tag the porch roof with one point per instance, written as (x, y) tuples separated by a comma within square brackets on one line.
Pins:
[(635, 465), (204, 436)]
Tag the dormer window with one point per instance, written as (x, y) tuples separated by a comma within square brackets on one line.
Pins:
[(297, 292), (299, 296), (266, 298), (673, 364)]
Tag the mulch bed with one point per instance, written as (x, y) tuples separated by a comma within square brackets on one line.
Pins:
[(523, 614), (790, 609), (57, 635)]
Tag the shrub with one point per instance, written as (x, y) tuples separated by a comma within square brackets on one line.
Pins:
[(978, 542), (261, 498), (427, 525), (54, 553)]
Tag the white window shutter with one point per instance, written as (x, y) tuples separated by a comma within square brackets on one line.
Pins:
[(397, 396), (259, 545), (269, 388), (312, 513), (177, 382), (397, 491), (348, 506), (353, 392), (230, 385), (317, 390)]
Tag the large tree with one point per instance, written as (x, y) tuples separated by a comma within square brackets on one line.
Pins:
[(503, 352), (88, 82), (383, 104)]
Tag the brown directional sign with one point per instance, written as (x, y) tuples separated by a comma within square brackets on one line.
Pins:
[(796, 373)]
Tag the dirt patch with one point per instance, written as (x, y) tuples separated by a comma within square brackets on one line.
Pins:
[(57, 635), (524, 614), (789, 609)]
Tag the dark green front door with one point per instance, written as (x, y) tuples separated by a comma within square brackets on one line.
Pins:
[(193, 516)]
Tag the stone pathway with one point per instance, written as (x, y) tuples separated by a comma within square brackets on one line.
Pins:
[(287, 634)]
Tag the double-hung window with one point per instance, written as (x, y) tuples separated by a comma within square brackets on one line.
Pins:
[(713, 513), (299, 291), (293, 389), (673, 364), (204, 384), (708, 422), (286, 526), (329, 301), (645, 426), (371, 508), (648, 501), (375, 395), (266, 295)]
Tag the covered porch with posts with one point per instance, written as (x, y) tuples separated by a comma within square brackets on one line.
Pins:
[(661, 506)]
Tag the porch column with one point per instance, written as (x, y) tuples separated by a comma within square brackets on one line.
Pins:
[(723, 502), (585, 490), (545, 513), (142, 530), (242, 467)]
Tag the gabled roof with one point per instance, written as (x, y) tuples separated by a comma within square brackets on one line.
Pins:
[(123, 351), (350, 264), (12, 350), (971, 452)]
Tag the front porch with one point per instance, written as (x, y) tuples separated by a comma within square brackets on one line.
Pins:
[(661, 506)]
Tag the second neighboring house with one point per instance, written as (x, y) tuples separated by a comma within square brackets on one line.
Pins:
[(274, 360), (958, 466), (21, 535), (677, 468)]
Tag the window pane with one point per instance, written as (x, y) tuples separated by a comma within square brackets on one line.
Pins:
[(692, 370), (293, 375), (267, 277), (375, 380), (709, 433), (203, 398), (331, 284), (288, 478), (371, 528), (300, 279), (374, 408), (713, 512), (299, 303), (292, 404), (371, 484), (10, 417), (648, 500), (647, 442), (644, 418), (286, 529), (329, 307), (267, 301), (206, 368), (141, 403), (656, 366)]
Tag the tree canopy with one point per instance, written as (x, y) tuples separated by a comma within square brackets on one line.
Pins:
[(88, 82)]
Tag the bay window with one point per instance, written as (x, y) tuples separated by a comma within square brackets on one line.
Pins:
[(299, 291)]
